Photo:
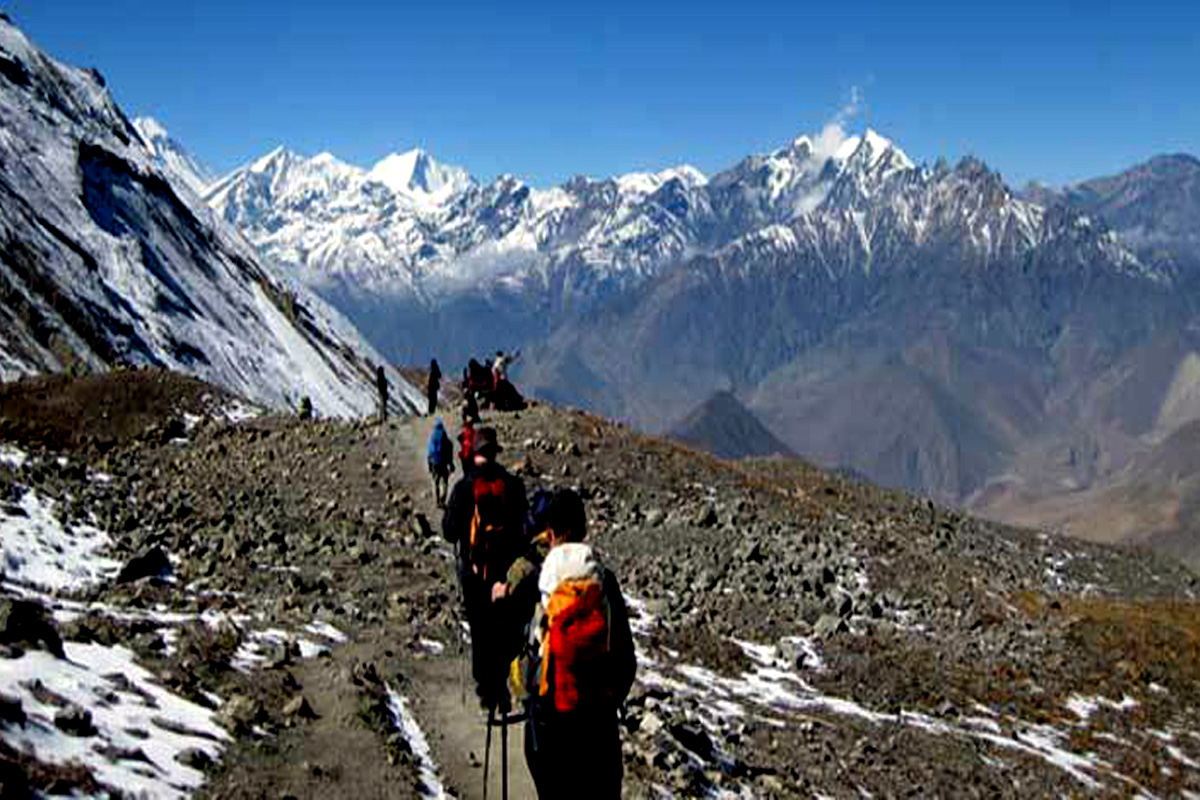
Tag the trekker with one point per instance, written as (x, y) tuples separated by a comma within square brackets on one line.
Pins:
[(466, 444), (433, 386), (485, 517), (440, 456), (500, 366), (471, 407), (381, 383), (578, 663)]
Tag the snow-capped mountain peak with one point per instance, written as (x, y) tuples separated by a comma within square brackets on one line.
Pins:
[(417, 175), (645, 183), (275, 161), (172, 157)]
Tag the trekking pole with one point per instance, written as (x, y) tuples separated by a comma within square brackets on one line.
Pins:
[(504, 759), (487, 748)]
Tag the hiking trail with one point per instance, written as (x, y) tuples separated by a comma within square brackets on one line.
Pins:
[(443, 692)]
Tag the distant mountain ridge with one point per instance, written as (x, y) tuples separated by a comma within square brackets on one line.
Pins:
[(1154, 206)]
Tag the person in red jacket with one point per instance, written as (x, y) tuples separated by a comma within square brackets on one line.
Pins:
[(466, 443)]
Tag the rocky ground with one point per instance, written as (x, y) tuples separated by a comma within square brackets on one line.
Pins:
[(196, 601)]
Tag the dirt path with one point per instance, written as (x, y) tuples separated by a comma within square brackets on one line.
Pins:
[(343, 751), (444, 701), (332, 755)]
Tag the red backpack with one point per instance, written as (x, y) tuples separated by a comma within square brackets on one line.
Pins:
[(487, 523), (467, 437)]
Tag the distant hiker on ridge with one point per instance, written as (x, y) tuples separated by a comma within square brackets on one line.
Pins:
[(485, 517), (433, 385), (500, 366), (381, 383), (471, 407), (578, 661), (440, 455), (466, 444)]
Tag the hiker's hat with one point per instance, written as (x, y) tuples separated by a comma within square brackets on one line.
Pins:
[(486, 443)]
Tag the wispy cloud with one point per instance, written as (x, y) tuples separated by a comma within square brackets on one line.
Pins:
[(833, 134)]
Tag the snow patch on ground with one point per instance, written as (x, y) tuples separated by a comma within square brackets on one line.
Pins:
[(431, 784), (12, 457), (431, 646), (1084, 707), (322, 628), (236, 411), (772, 689), (141, 727), (36, 549), (254, 647)]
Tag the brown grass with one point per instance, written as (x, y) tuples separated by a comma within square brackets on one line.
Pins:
[(1148, 641)]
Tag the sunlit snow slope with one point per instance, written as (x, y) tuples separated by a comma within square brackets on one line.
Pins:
[(103, 262)]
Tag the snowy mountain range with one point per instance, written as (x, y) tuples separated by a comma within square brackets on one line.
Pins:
[(110, 257), (925, 326)]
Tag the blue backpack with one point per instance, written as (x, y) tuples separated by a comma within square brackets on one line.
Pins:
[(441, 451)]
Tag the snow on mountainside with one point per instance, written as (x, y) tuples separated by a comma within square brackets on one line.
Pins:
[(104, 262), (415, 174), (513, 260), (414, 228), (172, 157)]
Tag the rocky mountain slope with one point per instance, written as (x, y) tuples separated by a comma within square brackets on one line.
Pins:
[(797, 635), (172, 158), (1154, 206), (105, 261)]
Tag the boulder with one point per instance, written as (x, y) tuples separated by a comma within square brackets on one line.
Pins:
[(26, 623), (240, 713), (194, 757), (830, 624), (421, 526), (151, 564), (299, 708), (75, 721), (11, 711)]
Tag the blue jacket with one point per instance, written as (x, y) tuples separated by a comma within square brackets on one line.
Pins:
[(441, 450)]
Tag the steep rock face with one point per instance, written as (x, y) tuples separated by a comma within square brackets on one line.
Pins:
[(104, 262)]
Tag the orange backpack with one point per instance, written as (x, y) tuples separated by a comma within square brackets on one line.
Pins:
[(575, 634)]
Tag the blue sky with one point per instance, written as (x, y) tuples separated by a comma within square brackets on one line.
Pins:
[(1057, 91)]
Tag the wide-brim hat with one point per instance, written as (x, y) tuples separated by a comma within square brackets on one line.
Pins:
[(486, 442)]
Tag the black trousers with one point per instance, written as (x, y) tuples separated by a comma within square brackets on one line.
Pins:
[(495, 640), (574, 755)]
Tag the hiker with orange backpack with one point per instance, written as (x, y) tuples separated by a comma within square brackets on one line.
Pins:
[(485, 518), (578, 662)]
